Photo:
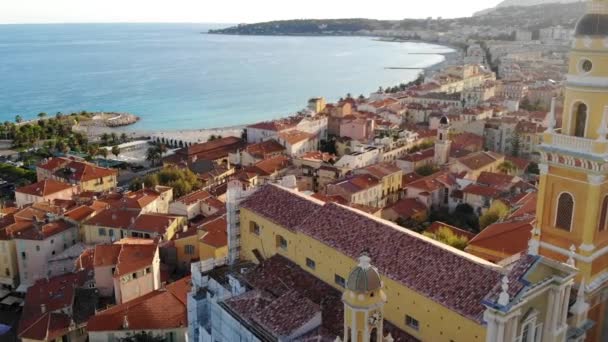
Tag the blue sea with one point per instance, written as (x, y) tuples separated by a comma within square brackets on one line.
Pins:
[(175, 76)]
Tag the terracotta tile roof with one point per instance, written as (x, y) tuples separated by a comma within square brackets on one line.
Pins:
[(42, 231), (355, 183), (54, 294), (44, 188), (215, 232), (264, 148), (435, 226), (269, 166), (134, 257), (69, 169), (420, 155), (133, 200), (277, 125), (279, 283), (496, 180), (80, 213), (106, 255), (319, 156), (520, 163), (153, 223), (282, 206), (408, 207), (430, 183), (410, 178), (526, 206), (509, 237), (452, 278), (114, 218), (478, 160), (193, 197), (160, 309), (481, 190), (219, 145), (294, 136), (381, 170), (329, 198)]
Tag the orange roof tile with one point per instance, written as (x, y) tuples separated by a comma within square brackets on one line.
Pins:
[(44, 188), (215, 232), (509, 237)]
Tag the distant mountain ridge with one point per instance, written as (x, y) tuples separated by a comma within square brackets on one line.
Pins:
[(524, 3)]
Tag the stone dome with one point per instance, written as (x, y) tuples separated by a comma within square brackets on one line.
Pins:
[(444, 120), (592, 24), (364, 277)]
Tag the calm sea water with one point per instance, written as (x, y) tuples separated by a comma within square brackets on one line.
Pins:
[(175, 77)]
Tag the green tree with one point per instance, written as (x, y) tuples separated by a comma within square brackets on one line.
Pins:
[(152, 155), (515, 144), (487, 219), (212, 137), (103, 152), (533, 168), (105, 138), (115, 151), (507, 167), (143, 337), (426, 170), (18, 119), (124, 138), (42, 115), (447, 236), (183, 181)]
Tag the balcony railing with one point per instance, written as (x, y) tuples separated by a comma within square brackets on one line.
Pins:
[(575, 144)]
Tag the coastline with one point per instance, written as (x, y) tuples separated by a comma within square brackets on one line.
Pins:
[(197, 135)]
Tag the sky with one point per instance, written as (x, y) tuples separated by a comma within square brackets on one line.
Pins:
[(227, 11)]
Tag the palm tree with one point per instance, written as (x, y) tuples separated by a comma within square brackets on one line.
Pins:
[(123, 137), (42, 115), (115, 151), (104, 138), (93, 150), (152, 155), (113, 137), (103, 152), (18, 119), (162, 149)]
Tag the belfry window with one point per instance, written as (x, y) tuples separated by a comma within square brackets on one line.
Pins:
[(565, 210), (601, 224), (580, 119)]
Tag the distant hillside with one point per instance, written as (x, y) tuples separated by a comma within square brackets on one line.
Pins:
[(528, 17), (524, 3)]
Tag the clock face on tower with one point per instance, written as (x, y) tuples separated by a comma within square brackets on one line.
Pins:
[(375, 318)]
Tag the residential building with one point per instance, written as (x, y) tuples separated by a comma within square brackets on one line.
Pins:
[(475, 163), (298, 142), (197, 203), (87, 176), (127, 269), (161, 313), (361, 189), (212, 151), (44, 191), (38, 243), (254, 153), (57, 309)]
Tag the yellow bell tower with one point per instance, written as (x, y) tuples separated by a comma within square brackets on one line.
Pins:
[(364, 300), (572, 208)]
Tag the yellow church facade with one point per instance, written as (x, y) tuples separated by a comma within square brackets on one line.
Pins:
[(572, 211)]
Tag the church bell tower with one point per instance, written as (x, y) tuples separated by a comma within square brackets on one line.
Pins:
[(364, 300), (572, 208)]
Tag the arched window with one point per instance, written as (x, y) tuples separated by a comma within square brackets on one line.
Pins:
[(601, 224), (565, 210), (580, 119)]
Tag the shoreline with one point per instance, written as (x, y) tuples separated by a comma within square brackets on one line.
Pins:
[(202, 134)]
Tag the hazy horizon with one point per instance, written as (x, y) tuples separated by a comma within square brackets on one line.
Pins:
[(225, 13)]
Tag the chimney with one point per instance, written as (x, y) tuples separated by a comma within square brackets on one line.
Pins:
[(185, 228), (42, 308)]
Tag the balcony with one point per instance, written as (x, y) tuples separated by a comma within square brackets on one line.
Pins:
[(574, 144)]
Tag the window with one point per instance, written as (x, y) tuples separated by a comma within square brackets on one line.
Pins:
[(189, 249), (580, 119), (585, 66), (281, 242), (37, 248), (23, 255), (254, 228), (110, 232), (310, 263), (52, 241), (412, 322), (102, 232), (148, 269), (602, 221), (565, 209), (339, 280), (7, 272)]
